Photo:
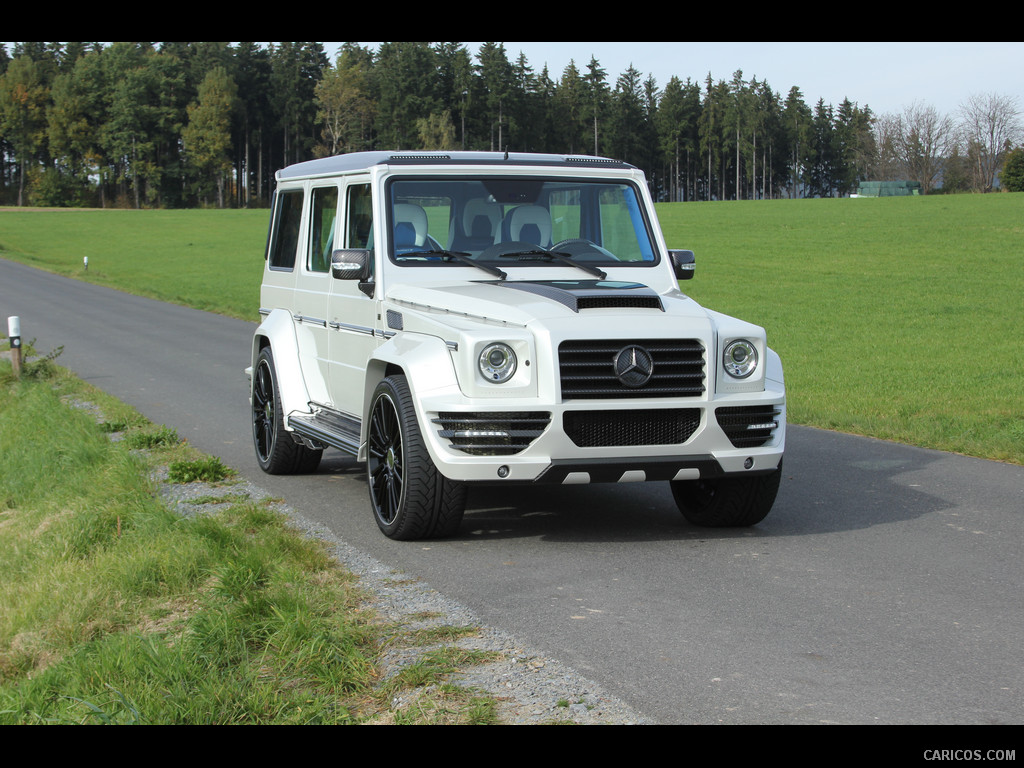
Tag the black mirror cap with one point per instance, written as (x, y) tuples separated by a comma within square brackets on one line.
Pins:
[(683, 264), (351, 264)]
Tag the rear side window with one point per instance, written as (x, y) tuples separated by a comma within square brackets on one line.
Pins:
[(287, 220)]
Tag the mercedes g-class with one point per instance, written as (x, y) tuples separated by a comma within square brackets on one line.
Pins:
[(456, 318)]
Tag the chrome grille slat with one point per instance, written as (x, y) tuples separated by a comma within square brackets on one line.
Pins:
[(587, 369)]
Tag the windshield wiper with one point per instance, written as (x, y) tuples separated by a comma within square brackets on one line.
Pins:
[(459, 256), (564, 258)]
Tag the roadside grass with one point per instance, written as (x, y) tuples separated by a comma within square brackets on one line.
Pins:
[(115, 609), (896, 318)]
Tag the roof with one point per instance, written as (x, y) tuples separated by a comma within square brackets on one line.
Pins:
[(357, 161)]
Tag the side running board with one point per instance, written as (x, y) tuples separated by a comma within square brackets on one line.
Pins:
[(327, 428)]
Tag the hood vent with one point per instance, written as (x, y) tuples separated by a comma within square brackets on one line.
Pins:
[(592, 294)]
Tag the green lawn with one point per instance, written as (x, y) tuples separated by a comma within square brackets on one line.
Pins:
[(898, 318), (211, 260)]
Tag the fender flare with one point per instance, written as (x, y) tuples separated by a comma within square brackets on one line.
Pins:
[(278, 332), (773, 368), (424, 360)]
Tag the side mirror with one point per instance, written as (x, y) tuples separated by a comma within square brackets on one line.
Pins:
[(683, 264), (351, 264)]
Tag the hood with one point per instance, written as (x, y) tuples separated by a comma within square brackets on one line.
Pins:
[(519, 302)]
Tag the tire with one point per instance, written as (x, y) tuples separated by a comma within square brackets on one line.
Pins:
[(727, 502), (410, 498), (276, 452)]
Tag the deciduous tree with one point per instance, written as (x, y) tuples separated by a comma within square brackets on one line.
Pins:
[(991, 125), (23, 98), (918, 139), (207, 136), (343, 107)]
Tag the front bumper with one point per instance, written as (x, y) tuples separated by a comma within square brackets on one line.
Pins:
[(605, 441)]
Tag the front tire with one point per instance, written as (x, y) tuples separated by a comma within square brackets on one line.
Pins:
[(410, 498), (732, 502), (276, 452)]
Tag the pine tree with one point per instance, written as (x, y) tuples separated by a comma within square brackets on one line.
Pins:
[(597, 93), (571, 107), (496, 78)]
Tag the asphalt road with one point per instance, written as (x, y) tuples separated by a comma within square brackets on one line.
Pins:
[(886, 586)]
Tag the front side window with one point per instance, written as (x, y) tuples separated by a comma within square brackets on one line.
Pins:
[(359, 229), (503, 222), (321, 228)]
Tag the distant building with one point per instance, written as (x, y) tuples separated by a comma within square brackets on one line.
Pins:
[(887, 188)]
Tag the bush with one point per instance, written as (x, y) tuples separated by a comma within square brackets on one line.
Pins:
[(1012, 176)]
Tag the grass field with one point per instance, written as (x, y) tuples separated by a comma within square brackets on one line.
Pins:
[(899, 318), (210, 260)]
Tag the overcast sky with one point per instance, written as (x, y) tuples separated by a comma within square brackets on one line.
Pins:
[(883, 76)]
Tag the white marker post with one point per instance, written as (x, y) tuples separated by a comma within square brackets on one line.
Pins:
[(14, 335)]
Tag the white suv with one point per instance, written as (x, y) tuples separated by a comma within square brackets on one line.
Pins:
[(494, 318)]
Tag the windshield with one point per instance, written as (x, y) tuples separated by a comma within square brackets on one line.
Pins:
[(499, 223)]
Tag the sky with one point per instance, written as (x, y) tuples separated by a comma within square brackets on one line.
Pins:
[(887, 77)]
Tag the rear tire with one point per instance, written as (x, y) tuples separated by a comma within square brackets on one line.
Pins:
[(276, 452), (727, 502), (410, 498)]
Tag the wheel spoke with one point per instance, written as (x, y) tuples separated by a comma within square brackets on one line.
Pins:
[(263, 410), (420, 504), (384, 441), (275, 452)]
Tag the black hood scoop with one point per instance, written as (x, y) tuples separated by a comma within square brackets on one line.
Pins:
[(579, 295)]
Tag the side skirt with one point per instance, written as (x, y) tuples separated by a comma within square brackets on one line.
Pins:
[(325, 427)]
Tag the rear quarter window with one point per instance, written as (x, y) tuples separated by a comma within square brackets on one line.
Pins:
[(284, 241)]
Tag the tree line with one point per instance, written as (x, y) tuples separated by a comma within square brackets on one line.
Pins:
[(181, 124)]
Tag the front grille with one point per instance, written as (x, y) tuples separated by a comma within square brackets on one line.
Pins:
[(492, 434), (601, 429), (588, 369), (748, 426)]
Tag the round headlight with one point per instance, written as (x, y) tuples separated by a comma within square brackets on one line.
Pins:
[(498, 362), (740, 359)]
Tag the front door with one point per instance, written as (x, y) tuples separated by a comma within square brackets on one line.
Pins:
[(353, 325)]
